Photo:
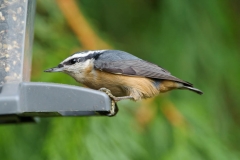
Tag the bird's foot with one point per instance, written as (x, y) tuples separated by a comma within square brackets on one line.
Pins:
[(114, 107), (114, 99)]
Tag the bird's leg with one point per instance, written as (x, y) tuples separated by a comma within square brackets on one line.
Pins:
[(116, 99), (114, 107)]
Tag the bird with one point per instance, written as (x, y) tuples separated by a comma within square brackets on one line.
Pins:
[(120, 75)]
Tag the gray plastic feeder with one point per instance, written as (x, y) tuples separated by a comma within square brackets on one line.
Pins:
[(21, 100)]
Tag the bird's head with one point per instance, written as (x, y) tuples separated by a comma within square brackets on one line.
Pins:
[(77, 63)]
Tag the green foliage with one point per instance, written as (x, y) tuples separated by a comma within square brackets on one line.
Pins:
[(195, 40)]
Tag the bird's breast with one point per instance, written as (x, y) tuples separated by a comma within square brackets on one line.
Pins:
[(121, 85)]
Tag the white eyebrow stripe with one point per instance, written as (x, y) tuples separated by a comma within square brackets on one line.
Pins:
[(82, 54)]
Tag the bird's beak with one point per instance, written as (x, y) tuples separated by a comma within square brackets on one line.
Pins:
[(59, 68)]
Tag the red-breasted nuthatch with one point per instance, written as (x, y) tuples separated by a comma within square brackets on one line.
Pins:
[(120, 74)]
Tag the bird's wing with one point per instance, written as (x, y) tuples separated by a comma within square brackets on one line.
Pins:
[(136, 67)]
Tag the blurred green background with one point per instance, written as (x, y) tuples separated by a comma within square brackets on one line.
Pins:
[(197, 41)]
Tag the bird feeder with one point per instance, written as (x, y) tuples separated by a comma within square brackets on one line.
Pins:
[(22, 100)]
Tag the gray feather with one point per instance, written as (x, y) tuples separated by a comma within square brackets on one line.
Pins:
[(119, 62)]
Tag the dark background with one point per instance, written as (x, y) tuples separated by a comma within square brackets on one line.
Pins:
[(197, 41)]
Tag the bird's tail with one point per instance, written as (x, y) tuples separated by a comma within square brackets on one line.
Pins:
[(192, 89)]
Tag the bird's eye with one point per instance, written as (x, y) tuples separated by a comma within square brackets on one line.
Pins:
[(73, 61)]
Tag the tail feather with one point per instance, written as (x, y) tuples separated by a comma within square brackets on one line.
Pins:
[(192, 89)]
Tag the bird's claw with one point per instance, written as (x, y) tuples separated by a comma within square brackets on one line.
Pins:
[(114, 107), (109, 93)]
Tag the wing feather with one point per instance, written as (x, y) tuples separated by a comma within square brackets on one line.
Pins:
[(137, 67)]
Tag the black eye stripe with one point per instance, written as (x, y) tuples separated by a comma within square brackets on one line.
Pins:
[(82, 59), (71, 61)]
